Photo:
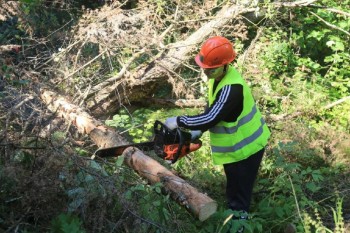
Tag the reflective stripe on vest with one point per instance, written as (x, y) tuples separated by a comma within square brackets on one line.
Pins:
[(231, 130), (241, 144)]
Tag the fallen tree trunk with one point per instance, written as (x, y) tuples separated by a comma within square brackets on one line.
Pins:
[(200, 205), (141, 84), (102, 135), (197, 203)]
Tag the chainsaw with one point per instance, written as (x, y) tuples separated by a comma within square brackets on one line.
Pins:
[(167, 144)]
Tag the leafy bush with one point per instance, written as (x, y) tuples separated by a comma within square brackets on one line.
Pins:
[(138, 126), (66, 223)]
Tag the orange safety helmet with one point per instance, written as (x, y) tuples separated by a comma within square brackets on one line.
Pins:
[(215, 52)]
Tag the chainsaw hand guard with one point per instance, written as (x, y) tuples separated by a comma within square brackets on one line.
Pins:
[(173, 144)]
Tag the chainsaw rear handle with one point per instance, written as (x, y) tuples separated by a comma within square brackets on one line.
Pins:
[(182, 141)]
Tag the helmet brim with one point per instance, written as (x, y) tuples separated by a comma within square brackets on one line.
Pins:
[(202, 65)]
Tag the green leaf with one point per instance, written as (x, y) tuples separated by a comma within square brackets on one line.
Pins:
[(139, 187), (330, 43), (339, 46), (120, 161), (157, 203), (318, 35), (279, 211), (128, 195), (66, 223), (312, 187), (316, 175)]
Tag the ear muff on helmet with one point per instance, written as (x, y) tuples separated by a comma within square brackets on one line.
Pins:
[(215, 52)]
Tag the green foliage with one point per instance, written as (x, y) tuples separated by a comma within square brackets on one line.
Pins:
[(155, 207), (317, 225), (325, 45), (139, 124), (279, 58), (86, 187), (8, 73), (222, 221), (66, 223), (41, 18), (158, 209), (307, 63), (290, 188)]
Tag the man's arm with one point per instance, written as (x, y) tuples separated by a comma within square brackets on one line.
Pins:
[(227, 106)]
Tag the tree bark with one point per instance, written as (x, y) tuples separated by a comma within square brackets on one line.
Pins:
[(102, 135), (143, 82), (200, 205), (197, 203)]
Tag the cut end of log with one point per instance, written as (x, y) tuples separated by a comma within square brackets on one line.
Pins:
[(207, 210)]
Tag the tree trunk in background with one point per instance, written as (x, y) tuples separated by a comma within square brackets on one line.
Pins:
[(142, 83), (197, 203)]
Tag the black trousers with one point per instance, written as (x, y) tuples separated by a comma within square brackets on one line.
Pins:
[(240, 180)]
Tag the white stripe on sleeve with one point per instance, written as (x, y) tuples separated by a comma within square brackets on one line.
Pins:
[(214, 111)]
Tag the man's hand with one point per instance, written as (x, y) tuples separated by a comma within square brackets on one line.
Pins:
[(195, 134), (171, 122)]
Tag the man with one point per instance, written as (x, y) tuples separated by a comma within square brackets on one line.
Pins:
[(238, 133)]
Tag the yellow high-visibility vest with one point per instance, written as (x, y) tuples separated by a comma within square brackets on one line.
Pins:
[(235, 141)]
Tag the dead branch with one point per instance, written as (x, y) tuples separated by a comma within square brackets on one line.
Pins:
[(294, 4), (330, 25), (145, 80), (299, 113), (86, 64), (9, 48), (331, 105), (118, 76), (337, 11)]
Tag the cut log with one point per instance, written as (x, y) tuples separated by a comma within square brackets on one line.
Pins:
[(199, 204)]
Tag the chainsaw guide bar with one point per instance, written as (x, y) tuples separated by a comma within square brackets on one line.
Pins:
[(168, 144)]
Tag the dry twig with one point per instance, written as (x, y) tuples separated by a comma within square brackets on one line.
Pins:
[(330, 25)]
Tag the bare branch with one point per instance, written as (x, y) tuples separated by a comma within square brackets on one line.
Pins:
[(331, 25), (337, 102), (86, 64), (294, 4), (331, 10), (119, 75)]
